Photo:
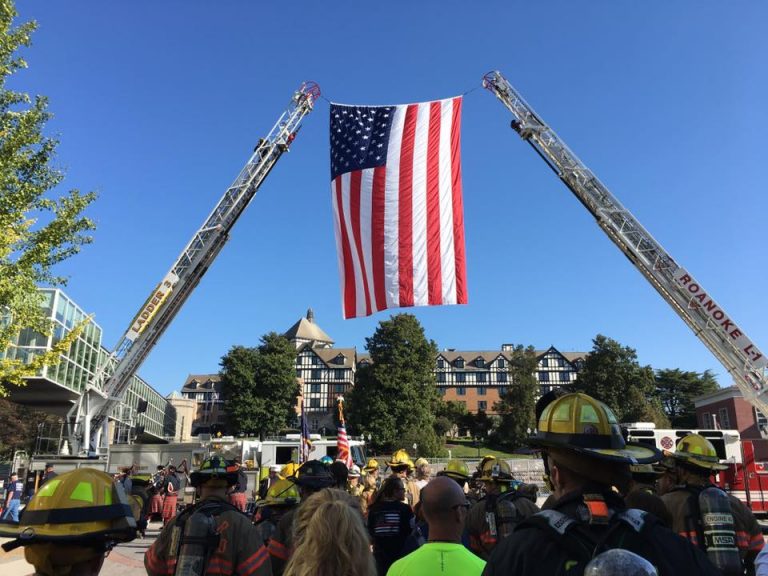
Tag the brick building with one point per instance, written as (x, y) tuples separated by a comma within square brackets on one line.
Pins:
[(726, 409)]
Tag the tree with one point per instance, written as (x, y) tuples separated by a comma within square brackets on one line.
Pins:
[(479, 425), (612, 374), (448, 417), (517, 407), (394, 398), (19, 427), (676, 390), (37, 229), (259, 386)]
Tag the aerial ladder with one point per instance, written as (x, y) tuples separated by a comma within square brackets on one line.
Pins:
[(713, 326), (88, 419)]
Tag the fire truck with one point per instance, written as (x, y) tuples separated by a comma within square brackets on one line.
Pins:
[(719, 332)]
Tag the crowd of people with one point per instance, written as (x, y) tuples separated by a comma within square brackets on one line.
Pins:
[(613, 508)]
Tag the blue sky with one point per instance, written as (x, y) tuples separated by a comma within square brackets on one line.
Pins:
[(158, 106)]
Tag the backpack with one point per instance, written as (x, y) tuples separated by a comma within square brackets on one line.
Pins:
[(606, 529), (496, 521), (198, 537)]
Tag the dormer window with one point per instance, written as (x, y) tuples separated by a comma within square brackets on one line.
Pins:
[(459, 363), (479, 362), (339, 360)]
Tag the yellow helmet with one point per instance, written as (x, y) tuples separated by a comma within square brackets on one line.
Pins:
[(400, 458), (585, 425), (289, 469), (81, 505), (372, 465), (282, 493), (696, 450), (456, 469), (496, 471)]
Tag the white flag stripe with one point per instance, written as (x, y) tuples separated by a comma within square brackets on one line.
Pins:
[(357, 269), (339, 249), (447, 257), (366, 191), (392, 210), (419, 204)]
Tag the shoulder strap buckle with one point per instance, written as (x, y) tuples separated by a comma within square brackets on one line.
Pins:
[(599, 513)]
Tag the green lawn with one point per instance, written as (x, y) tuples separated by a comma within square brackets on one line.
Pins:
[(467, 449)]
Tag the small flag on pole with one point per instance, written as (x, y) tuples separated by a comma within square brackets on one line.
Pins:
[(397, 203), (342, 442), (306, 443)]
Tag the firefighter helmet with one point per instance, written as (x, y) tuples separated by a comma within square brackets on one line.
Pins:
[(399, 459), (81, 506), (282, 493), (585, 425), (354, 471), (327, 460), (496, 471), (289, 469), (456, 469), (696, 450), (372, 465), (213, 468), (313, 474)]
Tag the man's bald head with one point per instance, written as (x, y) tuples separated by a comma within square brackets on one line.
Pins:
[(442, 501)]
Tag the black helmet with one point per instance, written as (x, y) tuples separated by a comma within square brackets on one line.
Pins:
[(313, 474)]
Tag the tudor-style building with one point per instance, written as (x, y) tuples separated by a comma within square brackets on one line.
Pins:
[(479, 379), (325, 372), (209, 415)]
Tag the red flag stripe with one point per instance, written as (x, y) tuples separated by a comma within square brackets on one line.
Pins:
[(354, 216), (433, 206), (458, 209), (377, 236), (348, 270), (405, 222)]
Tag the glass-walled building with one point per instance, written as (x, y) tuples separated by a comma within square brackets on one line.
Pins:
[(143, 413)]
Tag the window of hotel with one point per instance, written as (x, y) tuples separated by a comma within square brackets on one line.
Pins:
[(315, 360), (501, 376), (316, 372), (461, 391), (339, 388), (481, 376), (502, 391), (544, 362), (314, 402), (441, 376), (501, 363), (459, 363), (479, 362), (482, 405), (565, 376), (339, 373), (461, 376), (440, 363), (543, 376), (561, 362), (481, 390), (314, 388)]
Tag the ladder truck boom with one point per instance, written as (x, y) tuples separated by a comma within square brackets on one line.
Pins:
[(104, 393), (716, 329)]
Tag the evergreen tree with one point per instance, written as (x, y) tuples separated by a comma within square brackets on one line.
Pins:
[(676, 389), (395, 398), (612, 374), (259, 386), (37, 229), (516, 408)]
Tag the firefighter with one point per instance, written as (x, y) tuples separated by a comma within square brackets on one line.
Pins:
[(237, 492), (585, 457), (501, 509), (211, 537), (311, 477), (72, 522), (401, 465), (281, 497), (371, 469), (459, 471), (693, 501)]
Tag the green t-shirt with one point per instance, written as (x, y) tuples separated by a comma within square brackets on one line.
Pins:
[(438, 558)]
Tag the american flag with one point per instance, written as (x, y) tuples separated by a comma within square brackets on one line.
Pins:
[(306, 443), (342, 442), (398, 212)]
